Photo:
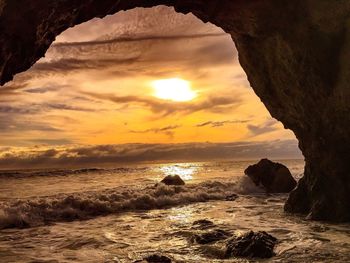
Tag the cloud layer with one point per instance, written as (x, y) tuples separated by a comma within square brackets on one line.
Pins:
[(82, 156), (94, 87)]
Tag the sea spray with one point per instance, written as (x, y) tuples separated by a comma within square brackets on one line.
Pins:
[(85, 205)]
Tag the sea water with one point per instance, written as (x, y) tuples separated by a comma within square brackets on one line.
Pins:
[(122, 214)]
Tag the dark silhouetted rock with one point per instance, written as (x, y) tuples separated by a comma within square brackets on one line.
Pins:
[(157, 259), (251, 245), (274, 177), (173, 180), (211, 236), (232, 197), (297, 65)]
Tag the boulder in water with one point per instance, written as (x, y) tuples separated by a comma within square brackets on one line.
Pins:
[(173, 180), (274, 177), (231, 197), (251, 245), (211, 236), (155, 258), (202, 224)]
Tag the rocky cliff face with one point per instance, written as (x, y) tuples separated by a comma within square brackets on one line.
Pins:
[(296, 55)]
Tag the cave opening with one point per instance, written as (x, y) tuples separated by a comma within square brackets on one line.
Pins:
[(101, 96), (156, 76)]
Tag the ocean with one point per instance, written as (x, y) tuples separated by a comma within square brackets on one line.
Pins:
[(122, 214)]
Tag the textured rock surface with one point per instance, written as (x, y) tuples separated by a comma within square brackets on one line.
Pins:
[(274, 177), (295, 53), (251, 245), (210, 236), (157, 259)]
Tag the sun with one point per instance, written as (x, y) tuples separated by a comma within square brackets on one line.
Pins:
[(174, 89)]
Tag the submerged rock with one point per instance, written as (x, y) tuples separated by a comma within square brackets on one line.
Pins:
[(274, 177), (203, 224), (251, 245), (173, 180), (231, 197), (211, 236), (157, 259)]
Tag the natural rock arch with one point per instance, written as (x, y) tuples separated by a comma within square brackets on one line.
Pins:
[(296, 55)]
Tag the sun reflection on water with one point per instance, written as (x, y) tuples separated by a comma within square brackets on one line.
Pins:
[(186, 171), (181, 215)]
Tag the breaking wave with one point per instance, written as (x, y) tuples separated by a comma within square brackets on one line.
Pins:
[(85, 205)]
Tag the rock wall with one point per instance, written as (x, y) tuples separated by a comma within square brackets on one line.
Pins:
[(296, 55)]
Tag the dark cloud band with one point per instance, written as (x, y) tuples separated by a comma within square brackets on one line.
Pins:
[(82, 156)]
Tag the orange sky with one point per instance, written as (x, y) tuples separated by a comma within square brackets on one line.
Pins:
[(95, 87)]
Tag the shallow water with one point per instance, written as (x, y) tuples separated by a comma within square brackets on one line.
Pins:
[(124, 230)]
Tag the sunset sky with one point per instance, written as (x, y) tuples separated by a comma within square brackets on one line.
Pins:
[(146, 76)]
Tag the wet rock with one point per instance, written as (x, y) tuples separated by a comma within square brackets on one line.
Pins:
[(173, 180), (211, 236), (251, 245), (13, 221), (319, 228), (274, 177), (232, 197), (203, 224), (157, 259)]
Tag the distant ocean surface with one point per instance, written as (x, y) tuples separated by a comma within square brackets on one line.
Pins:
[(120, 215)]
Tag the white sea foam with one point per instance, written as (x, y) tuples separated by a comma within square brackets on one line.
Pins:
[(85, 205)]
